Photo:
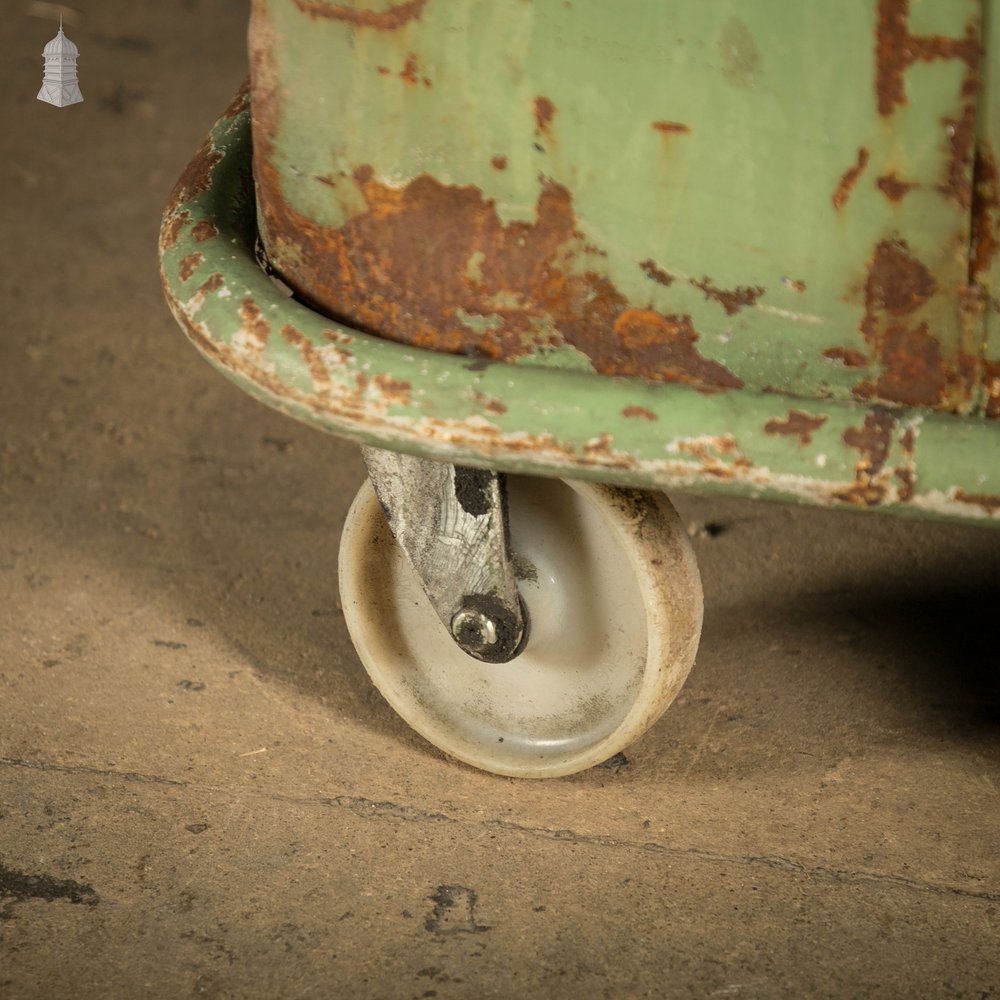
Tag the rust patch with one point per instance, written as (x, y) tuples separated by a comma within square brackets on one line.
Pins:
[(873, 440), (545, 111), (719, 455), (893, 188), (211, 284), (897, 283), (906, 473), (190, 264), (318, 371), (796, 424), (988, 501), (254, 322), (794, 283), (410, 73), (848, 357), (400, 268), (390, 19), (240, 101), (395, 390), (197, 175), (849, 179), (633, 412), (911, 368), (204, 230), (985, 208), (961, 136), (991, 382), (499, 162), (656, 273), (661, 347), (732, 301), (672, 128), (489, 403), (173, 228)]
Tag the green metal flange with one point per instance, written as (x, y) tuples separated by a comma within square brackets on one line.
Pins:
[(526, 418)]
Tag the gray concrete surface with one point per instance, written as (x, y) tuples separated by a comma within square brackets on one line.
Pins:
[(202, 795)]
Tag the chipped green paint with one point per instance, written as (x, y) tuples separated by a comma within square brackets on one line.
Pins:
[(543, 421), (740, 166)]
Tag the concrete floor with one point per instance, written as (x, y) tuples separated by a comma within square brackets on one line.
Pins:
[(202, 795)]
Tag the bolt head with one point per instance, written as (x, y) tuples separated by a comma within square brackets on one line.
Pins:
[(473, 630)]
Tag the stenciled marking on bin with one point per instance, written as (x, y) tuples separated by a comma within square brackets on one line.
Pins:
[(797, 424), (731, 300), (849, 179), (393, 17), (896, 49)]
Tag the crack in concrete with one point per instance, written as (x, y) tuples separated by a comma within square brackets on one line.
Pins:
[(37, 765), (373, 809), (774, 862)]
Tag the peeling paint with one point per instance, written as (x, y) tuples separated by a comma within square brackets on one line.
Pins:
[(849, 179), (893, 188), (631, 412), (672, 128), (545, 111), (572, 423), (393, 17), (657, 274), (731, 300), (797, 424), (190, 264)]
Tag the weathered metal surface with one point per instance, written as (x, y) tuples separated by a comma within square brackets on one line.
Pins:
[(984, 259), (753, 197), (451, 522), (525, 418)]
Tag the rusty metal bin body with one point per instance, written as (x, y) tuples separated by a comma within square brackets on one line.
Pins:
[(743, 248)]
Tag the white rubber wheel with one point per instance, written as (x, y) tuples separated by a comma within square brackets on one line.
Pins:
[(615, 608)]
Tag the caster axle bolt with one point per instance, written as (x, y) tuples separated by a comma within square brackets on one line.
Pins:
[(473, 630)]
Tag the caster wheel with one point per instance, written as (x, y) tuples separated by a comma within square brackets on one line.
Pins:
[(614, 604)]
